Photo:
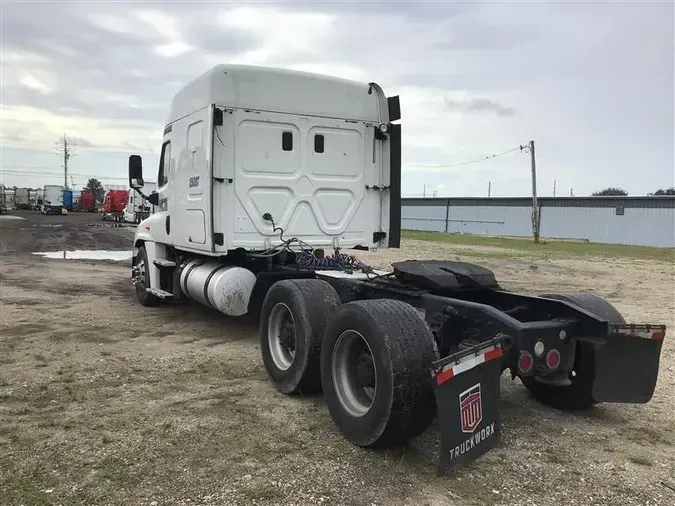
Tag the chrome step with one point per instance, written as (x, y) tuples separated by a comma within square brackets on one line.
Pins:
[(161, 262), (160, 294)]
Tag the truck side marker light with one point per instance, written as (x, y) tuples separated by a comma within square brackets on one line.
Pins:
[(466, 363)]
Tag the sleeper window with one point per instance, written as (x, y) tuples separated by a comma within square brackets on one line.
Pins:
[(318, 143), (287, 141)]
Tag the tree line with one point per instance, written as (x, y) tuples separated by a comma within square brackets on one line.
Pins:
[(613, 191), (93, 185)]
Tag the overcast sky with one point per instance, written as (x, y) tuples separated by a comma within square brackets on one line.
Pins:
[(592, 83)]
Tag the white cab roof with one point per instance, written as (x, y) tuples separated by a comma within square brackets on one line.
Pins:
[(279, 90)]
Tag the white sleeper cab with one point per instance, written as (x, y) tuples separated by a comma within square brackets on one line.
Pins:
[(271, 183)]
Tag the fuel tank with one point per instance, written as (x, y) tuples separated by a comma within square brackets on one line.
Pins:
[(225, 288)]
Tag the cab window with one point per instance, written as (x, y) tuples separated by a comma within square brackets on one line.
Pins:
[(164, 164)]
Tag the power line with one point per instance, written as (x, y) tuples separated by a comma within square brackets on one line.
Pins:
[(58, 175), (475, 160)]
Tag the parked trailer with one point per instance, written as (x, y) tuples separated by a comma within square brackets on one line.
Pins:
[(138, 208), (113, 205), (68, 200), (52, 200), (312, 165), (22, 198)]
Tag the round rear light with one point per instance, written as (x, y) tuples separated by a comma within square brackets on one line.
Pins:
[(539, 348), (553, 359), (525, 362)]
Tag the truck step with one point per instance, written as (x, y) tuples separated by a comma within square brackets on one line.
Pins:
[(161, 262), (160, 294)]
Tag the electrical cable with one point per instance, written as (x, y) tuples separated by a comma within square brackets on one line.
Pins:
[(307, 259), (475, 160)]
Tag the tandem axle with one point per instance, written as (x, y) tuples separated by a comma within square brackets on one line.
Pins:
[(390, 351)]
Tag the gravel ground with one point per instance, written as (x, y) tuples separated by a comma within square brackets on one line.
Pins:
[(105, 402)]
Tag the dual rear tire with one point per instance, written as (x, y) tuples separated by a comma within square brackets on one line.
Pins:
[(371, 359)]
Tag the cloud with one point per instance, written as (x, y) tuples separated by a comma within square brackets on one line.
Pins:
[(479, 105), (591, 83), (32, 83)]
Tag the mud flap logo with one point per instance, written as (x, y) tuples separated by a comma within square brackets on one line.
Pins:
[(467, 397), (470, 409)]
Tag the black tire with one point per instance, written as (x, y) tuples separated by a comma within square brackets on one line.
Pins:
[(307, 304), (142, 294), (402, 348), (578, 395)]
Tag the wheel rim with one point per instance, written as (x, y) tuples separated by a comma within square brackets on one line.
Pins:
[(354, 373), (141, 273), (281, 336)]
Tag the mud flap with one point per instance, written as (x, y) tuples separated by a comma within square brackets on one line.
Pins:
[(466, 385), (627, 365)]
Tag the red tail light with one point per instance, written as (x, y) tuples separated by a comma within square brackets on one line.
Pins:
[(553, 359), (525, 362)]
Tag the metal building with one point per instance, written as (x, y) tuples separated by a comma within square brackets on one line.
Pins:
[(646, 221)]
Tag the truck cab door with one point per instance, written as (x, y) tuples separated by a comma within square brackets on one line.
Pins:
[(191, 185)]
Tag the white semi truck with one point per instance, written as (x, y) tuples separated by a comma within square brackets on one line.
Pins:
[(138, 208), (269, 184), (52, 199)]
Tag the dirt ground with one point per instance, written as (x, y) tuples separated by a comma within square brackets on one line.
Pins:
[(103, 401)]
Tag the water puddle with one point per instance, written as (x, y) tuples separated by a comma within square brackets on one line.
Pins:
[(113, 225), (532, 267), (87, 255)]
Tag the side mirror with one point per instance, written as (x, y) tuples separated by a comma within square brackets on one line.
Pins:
[(135, 171), (153, 198)]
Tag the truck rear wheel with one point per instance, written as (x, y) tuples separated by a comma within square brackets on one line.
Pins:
[(292, 322), (375, 363), (578, 395)]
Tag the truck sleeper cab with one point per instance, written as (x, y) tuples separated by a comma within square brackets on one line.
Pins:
[(267, 179), (52, 202)]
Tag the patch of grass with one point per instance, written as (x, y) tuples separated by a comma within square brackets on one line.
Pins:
[(641, 460), (260, 493), (118, 471), (7, 360), (546, 247), (26, 489), (554, 456)]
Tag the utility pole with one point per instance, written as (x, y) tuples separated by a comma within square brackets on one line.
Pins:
[(535, 204), (554, 182), (424, 191), (489, 188), (64, 148)]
